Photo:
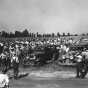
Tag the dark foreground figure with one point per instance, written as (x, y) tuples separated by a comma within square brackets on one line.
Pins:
[(15, 69), (7, 64), (82, 68)]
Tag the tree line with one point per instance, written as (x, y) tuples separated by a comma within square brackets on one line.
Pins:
[(26, 33)]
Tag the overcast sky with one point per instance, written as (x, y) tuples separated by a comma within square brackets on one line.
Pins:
[(44, 15)]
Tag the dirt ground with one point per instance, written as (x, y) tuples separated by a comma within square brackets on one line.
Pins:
[(41, 78), (54, 83), (48, 82)]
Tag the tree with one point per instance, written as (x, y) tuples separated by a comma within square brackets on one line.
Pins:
[(25, 33), (43, 35), (11, 35), (68, 34), (58, 34), (83, 34), (63, 34), (3, 34), (37, 34), (76, 35), (18, 34), (53, 35)]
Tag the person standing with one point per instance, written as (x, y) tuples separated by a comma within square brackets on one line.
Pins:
[(82, 66), (15, 62), (78, 65), (3, 57)]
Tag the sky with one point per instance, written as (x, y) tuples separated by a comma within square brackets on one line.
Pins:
[(44, 16)]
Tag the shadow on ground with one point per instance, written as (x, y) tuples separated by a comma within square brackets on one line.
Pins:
[(23, 75)]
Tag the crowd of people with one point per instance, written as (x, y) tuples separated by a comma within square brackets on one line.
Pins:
[(27, 48), (15, 52)]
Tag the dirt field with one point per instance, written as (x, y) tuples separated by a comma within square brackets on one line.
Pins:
[(28, 82), (48, 79)]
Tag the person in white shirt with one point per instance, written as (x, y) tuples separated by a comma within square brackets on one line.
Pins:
[(15, 63)]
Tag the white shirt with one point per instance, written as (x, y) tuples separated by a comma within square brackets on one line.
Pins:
[(86, 54), (79, 58), (4, 80), (15, 58), (67, 49)]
